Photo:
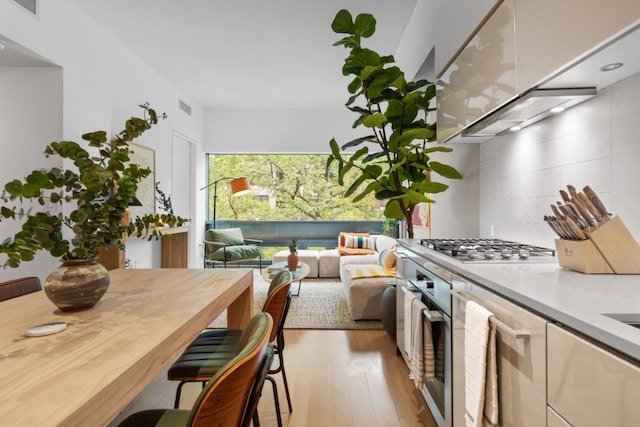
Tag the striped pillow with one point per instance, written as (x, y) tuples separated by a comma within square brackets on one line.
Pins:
[(387, 257), (360, 242)]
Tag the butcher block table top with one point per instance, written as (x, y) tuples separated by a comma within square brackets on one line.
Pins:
[(88, 373)]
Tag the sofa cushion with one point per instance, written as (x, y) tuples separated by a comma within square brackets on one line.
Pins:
[(230, 236), (384, 242)]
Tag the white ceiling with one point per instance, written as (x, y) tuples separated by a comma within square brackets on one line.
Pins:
[(248, 53)]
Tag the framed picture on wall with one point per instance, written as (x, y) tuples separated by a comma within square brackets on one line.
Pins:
[(146, 158)]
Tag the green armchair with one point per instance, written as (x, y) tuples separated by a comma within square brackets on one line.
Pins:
[(228, 245)]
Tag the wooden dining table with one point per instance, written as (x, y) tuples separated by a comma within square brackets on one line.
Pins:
[(88, 373)]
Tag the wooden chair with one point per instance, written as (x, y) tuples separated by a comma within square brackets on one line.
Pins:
[(225, 400), (228, 246), (18, 287), (211, 349)]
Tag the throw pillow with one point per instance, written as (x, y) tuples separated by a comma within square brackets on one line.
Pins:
[(387, 258), (343, 249), (360, 242)]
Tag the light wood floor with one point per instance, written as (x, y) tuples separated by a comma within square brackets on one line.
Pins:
[(337, 378)]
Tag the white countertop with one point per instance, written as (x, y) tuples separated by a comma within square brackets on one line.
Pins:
[(574, 299)]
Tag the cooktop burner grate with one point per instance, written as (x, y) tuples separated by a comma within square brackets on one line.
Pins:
[(470, 250)]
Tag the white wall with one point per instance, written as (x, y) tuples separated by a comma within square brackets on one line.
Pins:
[(278, 131), (102, 85), (30, 110), (594, 143)]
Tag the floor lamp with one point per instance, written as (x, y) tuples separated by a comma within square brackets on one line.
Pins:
[(239, 186)]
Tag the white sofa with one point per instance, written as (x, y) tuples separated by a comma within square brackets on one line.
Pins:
[(364, 294)]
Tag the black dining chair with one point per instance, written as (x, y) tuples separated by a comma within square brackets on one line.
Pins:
[(229, 398), (212, 348)]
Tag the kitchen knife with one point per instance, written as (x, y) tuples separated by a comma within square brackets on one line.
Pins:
[(575, 229), (565, 196), (570, 210), (555, 226), (557, 212), (582, 210), (593, 197), (584, 213), (587, 204)]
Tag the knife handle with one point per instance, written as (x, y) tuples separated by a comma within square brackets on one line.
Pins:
[(584, 213), (593, 197), (575, 229), (565, 196), (587, 204)]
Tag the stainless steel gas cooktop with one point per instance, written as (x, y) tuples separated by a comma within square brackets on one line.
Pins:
[(489, 250)]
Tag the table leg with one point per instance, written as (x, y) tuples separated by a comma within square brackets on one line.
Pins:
[(240, 311), (299, 286)]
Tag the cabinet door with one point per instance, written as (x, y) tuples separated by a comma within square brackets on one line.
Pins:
[(453, 27), (481, 78), (550, 33), (589, 386), (555, 420), (521, 361)]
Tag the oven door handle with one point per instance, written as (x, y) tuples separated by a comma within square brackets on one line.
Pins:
[(515, 333), (433, 315)]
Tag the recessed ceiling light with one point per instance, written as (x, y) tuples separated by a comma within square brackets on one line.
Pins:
[(515, 128), (3, 44), (612, 66), (556, 110)]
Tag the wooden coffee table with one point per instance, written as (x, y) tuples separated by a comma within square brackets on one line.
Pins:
[(302, 272)]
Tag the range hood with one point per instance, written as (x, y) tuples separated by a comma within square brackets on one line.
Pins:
[(527, 109)]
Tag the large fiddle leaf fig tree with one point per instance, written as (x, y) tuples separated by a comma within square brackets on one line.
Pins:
[(395, 113)]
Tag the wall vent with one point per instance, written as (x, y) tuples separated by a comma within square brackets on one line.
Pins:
[(184, 107), (30, 5)]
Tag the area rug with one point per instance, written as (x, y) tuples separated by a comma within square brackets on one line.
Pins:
[(320, 305)]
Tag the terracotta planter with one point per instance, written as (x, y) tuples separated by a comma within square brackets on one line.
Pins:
[(292, 261), (77, 284)]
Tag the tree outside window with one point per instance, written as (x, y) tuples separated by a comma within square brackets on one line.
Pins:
[(285, 187)]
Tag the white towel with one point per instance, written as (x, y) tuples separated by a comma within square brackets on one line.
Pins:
[(421, 356), (481, 381), (408, 310)]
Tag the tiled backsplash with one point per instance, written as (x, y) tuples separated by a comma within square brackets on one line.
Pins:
[(596, 143)]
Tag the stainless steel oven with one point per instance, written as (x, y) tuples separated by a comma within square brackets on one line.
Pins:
[(425, 280)]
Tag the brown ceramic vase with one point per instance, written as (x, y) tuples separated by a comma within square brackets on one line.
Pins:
[(77, 284)]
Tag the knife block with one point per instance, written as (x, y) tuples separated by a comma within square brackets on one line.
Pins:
[(610, 248)]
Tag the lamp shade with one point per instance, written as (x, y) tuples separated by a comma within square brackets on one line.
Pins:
[(240, 186)]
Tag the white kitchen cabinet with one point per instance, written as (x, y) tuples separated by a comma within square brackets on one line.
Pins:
[(521, 360), (555, 420), (482, 77), (457, 21), (589, 386), (522, 44), (550, 33)]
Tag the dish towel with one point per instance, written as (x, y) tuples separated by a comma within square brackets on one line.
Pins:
[(481, 378), (408, 310), (421, 355)]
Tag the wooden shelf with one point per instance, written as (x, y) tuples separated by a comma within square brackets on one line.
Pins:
[(175, 250)]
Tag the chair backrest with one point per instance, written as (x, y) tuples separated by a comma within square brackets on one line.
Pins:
[(223, 401), (277, 299), (18, 287)]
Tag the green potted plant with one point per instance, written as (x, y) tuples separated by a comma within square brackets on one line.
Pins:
[(90, 201), (292, 258), (395, 113)]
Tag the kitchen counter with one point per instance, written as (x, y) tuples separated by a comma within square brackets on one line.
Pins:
[(573, 299)]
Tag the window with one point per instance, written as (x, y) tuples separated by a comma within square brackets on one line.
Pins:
[(285, 187)]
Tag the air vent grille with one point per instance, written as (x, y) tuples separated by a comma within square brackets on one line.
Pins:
[(30, 5), (184, 107)]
